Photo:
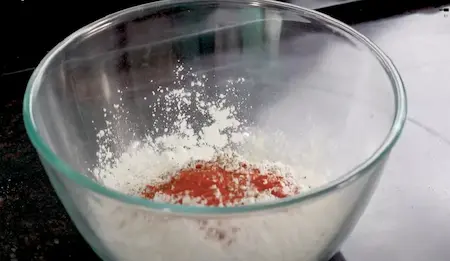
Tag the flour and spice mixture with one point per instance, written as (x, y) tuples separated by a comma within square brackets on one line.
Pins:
[(219, 163)]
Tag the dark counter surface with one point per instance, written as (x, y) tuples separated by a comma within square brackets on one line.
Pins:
[(35, 226), (33, 223)]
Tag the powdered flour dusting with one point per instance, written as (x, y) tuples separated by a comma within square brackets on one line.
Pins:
[(191, 124)]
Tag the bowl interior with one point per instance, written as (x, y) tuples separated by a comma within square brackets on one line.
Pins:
[(303, 89)]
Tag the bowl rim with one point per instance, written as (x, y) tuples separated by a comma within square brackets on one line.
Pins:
[(343, 180)]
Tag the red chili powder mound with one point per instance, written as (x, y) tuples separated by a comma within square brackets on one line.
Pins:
[(216, 186)]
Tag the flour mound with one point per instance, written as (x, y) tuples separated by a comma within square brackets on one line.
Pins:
[(197, 120)]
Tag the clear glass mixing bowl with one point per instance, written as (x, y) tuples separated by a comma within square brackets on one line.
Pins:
[(333, 97)]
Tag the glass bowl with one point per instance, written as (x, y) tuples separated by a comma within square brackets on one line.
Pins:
[(288, 84)]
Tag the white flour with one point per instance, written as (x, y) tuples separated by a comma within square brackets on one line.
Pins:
[(135, 234)]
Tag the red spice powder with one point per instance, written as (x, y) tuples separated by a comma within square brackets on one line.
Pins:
[(215, 185)]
